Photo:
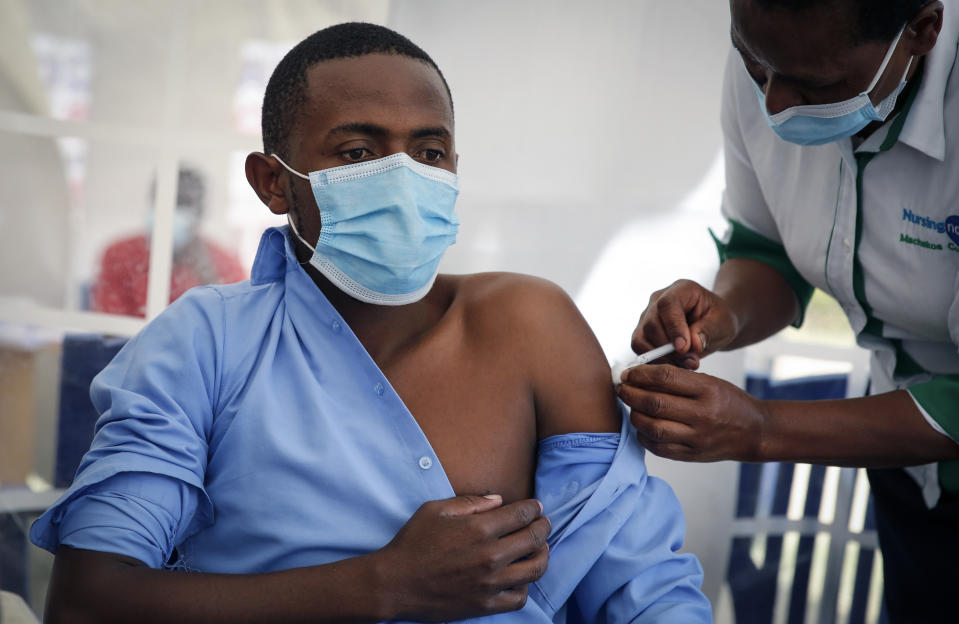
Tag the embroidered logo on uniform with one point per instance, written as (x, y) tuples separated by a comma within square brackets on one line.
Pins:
[(926, 222), (905, 238), (952, 228)]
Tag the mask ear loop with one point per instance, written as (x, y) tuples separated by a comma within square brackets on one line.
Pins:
[(289, 219), (885, 62)]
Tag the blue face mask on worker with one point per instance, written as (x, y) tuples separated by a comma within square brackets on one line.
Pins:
[(818, 124), (385, 225)]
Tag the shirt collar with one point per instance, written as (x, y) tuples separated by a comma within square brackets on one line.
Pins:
[(270, 264), (925, 128)]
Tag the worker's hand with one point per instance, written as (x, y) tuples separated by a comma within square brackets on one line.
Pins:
[(464, 557), (689, 416), (696, 320)]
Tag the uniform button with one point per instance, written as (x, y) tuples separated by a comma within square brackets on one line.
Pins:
[(847, 244), (336, 325), (379, 389), (426, 463)]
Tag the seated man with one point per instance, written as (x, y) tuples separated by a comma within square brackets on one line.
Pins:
[(349, 436)]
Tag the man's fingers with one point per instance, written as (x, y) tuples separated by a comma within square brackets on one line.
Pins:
[(509, 599), (522, 543), (513, 517), (526, 570), (466, 504)]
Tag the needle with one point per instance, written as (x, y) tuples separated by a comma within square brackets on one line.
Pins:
[(644, 358)]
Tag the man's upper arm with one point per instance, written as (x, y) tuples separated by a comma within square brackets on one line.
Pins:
[(569, 374), (155, 401)]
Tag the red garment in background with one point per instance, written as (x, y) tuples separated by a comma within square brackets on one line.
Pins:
[(121, 287)]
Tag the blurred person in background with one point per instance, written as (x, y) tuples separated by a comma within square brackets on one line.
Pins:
[(121, 286)]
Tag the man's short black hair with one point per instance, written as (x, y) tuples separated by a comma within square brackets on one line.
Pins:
[(876, 20), (286, 91)]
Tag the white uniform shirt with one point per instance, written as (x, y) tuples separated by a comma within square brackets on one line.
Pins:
[(897, 276)]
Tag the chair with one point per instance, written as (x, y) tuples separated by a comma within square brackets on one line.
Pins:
[(84, 356), (804, 544)]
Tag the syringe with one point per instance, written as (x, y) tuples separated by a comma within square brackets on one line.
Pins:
[(644, 358)]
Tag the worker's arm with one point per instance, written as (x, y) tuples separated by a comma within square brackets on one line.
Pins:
[(690, 416), (455, 558)]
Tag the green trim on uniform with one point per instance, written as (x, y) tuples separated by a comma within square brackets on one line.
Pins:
[(746, 243), (949, 476), (940, 398), (873, 325), (905, 365)]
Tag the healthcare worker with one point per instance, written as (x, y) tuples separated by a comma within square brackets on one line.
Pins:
[(841, 130)]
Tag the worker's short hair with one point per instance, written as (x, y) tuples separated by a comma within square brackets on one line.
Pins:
[(286, 91), (875, 20)]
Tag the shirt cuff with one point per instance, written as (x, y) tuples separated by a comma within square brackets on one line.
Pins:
[(742, 242), (937, 400), (140, 515), (929, 419)]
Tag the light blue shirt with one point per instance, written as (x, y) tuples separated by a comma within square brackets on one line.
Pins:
[(247, 427)]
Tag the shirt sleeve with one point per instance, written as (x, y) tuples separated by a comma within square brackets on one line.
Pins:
[(156, 401), (752, 231), (937, 400), (615, 536), (139, 514)]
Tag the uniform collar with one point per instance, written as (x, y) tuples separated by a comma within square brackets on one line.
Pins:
[(925, 128)]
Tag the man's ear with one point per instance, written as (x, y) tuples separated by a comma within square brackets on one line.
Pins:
[(923, 29), (263, 174)]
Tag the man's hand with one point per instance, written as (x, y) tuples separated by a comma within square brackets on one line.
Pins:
[(696, 320), (465, 556), (688, 416)]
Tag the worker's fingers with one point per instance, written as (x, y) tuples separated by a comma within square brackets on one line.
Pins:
[(649, 333), (663, 378), (671, 312), (659, 434), (672, 316)]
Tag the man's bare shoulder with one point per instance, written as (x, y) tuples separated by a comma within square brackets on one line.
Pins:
[(498, 288), (538, 325), (516, 298)]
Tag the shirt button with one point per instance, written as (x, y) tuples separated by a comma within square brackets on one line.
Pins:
[(426, 463), (379, 389), (336, 325), (847, 244)]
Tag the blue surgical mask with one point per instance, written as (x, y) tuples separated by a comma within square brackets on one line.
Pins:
[(817, 124), (385, 225)]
